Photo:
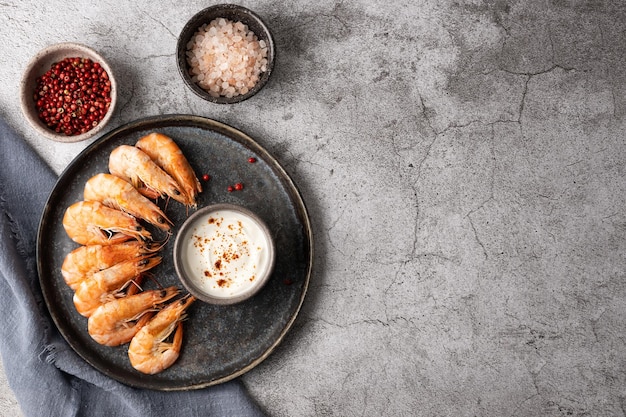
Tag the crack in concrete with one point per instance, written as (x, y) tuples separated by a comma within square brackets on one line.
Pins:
[(541, 72), (461, 126), (335, 15), (161, 24), (424, 114), (158, 56), (522, 103), (331, 227), (489, 198), (385, 323), (480, 243)]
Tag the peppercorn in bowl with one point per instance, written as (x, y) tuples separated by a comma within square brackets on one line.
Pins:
[(68, 92), (225, 53)]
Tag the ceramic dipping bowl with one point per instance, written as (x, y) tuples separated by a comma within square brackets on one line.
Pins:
[(224, 254), (224, 62), (42, 63)]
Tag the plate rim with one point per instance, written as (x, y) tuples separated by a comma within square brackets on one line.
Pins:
[(170, 120)]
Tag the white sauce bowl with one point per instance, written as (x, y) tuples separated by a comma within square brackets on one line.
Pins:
[(224, 254)]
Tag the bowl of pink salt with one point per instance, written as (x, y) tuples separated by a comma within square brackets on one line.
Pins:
[(225, 53)]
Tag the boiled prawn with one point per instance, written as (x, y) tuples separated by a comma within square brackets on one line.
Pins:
[(84, 261), (93, 223), (103, 286), (148, 351), (114, 192), (168, 155), (117, 321), (135, 166)]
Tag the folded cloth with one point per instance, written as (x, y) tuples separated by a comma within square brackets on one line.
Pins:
[(46, 375)]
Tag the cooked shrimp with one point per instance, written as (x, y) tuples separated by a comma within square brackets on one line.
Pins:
[(148, 352), (119, 194), (84, 261), (166, 154), (93, 223), (135, 287), (102, 286), (117, 321), (133, 165)]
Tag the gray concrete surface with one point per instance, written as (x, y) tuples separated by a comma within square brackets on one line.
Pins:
[(463, 164)]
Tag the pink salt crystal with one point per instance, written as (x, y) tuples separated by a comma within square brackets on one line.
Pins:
[(225, 52)]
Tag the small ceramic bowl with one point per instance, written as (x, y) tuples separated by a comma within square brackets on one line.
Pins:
[(39, 65), (224, 254), (233, 13)]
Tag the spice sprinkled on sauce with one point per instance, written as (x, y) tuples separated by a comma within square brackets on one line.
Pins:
[(226, 251)]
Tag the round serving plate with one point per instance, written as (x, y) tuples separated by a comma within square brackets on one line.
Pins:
[(220, 342)]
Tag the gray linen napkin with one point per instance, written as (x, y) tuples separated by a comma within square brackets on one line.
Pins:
[(46, 375)]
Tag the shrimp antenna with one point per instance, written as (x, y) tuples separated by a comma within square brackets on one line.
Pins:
[(136, 282), (156, 246), (167, 202), (153, 247), (132, 287), (153, 279), (167, 238)]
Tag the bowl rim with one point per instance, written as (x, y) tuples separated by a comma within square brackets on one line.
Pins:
[(177, 255), (32, 71), (194, 23)]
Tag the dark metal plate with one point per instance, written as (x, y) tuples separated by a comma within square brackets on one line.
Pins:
[(220, 342)]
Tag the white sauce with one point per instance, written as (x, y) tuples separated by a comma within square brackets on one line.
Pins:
[(225, 253)]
